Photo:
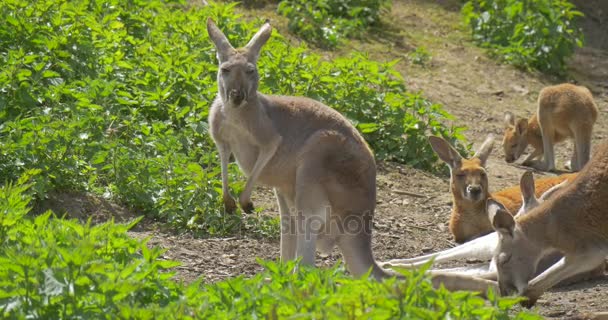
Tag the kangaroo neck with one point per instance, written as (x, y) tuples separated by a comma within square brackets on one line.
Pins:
[(466, 206)]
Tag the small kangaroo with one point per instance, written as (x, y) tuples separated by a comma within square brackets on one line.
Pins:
[(573, 222), (470, 190), (322, 171), (564, 111)]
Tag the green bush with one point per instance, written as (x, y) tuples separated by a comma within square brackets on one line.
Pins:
[(533, 34), (52, 268), (113, 98), (326, 22)]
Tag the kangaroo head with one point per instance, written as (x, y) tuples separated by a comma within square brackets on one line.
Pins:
[(238, 76), (515, 139), (468, 177), (516, 257)]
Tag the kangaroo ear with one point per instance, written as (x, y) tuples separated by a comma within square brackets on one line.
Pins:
[(499, 216), (551, 191), (485, 149), (509, 119), (223, 46), (445, 152), (522, 126), (259, 39), (528, 191)]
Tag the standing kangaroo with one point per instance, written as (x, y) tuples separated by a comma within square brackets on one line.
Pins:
[(322, 171), (470, 190), (574, 221), (564, 111)]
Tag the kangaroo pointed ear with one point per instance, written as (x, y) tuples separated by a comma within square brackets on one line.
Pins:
[(445, 152), (553, 190), (509, 119), (223, 46), (528, 190), (259, 39), (502, 221), (522, 126), (485, 149)]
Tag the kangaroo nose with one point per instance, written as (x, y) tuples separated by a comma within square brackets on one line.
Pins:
[(237, 96), (474, 189)]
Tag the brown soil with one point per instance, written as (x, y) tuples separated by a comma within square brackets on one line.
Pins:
[(476, 90)]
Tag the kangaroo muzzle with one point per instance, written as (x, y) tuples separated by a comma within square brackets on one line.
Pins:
[(236, 96), (474, 191)]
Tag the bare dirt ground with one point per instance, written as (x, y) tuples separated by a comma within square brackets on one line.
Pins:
[(476, 90)]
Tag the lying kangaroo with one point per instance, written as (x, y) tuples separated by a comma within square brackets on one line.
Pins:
[(574, 222), (469, 187), (564, 111), (481, 248), (322, 171)]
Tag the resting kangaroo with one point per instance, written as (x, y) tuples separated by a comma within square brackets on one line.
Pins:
[(573, 222), (470, 190), (481, 248), (564, 111)]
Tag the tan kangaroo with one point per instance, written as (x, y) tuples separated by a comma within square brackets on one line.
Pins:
[(322, 171), (574, 222), (564, 111), (470, 189)]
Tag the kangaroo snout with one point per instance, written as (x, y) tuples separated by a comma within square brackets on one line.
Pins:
[(236, 96), (474, 190)]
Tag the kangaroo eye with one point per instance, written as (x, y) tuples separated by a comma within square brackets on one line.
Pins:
[(460, 175), (250, 70), (225, 70)]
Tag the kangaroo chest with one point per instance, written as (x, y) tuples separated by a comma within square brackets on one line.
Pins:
[(242, 145)]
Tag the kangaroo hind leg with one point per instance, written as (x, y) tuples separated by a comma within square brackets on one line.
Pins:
[(582, 147)]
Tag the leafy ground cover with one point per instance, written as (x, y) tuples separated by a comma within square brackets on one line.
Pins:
[(529, 34), (326, 23), (53, 268), (112, 98)]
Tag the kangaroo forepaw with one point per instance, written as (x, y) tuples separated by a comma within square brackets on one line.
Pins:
[(531, 298), (247, 207), (229, 204)]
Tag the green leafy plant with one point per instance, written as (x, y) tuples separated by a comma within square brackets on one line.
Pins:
[(113, 99), (529, 34), (421, 56), (52, 268), (326, 22)]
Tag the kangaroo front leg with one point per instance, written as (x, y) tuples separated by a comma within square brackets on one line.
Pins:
[(224, 153), (529, 159), (564, 268), (266, 153)]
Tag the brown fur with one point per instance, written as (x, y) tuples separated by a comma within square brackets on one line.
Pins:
[(469, 218), (564, 111), (573, 222)]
